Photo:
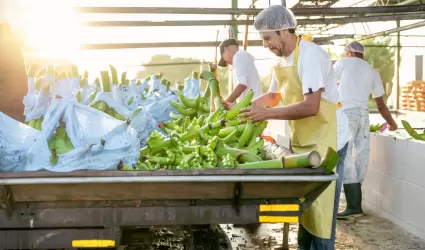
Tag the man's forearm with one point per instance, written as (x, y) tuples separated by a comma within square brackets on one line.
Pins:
[(295, 111), (236, 93), (386, 114), (384, 111)]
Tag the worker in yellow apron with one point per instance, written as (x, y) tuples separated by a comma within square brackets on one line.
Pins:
[(310, 111)]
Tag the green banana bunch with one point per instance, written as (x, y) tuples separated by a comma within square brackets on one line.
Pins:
[(36, 123), (376, 127), (60, 142), (415, 135), (101, 105)]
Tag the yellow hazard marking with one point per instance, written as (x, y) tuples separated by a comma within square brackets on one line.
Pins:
[(279, 208), (278, 219), (93, 243)]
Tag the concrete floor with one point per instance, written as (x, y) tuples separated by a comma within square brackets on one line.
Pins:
[(369, 232)]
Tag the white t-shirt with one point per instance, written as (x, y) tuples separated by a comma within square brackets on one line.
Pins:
[(315, 71), (357, 79), (245, 72)]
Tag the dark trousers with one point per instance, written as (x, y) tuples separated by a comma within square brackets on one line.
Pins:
[(306, 240)]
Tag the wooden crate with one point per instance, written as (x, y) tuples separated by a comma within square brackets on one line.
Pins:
[(412, 96)]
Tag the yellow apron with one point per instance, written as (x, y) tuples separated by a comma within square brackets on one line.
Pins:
[(312, 133)]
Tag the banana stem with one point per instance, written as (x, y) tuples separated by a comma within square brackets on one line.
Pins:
[(239, 155), (207, 93), (123, 77), (74, 71), (218, 104), (106, 86), (276, 163), (330, 161), (114, 74), (308, 159)]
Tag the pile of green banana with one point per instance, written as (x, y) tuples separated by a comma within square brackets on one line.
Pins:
[(217, 140), (36, 123), (106, 87), (376, 127), (104, 107), (59, 144)]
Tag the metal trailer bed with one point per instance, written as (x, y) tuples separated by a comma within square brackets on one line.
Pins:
[(46, 210)]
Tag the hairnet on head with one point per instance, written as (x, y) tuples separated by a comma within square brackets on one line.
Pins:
[(354, 47), (274, 18)]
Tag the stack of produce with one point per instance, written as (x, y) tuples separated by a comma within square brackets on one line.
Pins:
[(377, 127), (218, 139), (192, 86), (101, 104), (413, 96)]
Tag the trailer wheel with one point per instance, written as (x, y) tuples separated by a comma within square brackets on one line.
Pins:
[(207, 238)]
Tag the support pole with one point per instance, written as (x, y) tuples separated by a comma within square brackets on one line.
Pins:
[(246, 11), (285, 239), (230, 82), (398, 67)]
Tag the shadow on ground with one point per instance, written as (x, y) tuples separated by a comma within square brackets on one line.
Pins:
[(369, 232)]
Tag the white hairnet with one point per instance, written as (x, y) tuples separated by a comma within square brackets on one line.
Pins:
[(275, 17), (354, 47)]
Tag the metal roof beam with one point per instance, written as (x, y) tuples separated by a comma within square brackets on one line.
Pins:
[(245, 11), (325, 21), (105, 46), (387, 32)]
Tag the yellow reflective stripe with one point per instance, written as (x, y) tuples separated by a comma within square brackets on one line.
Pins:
[(279, 207), (93, 243), (278, 219)]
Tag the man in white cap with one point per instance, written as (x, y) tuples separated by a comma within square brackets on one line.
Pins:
[(305, 81), (357, 80), (245, 74)]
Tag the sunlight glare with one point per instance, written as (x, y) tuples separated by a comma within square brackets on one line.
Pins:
[(52, 26)]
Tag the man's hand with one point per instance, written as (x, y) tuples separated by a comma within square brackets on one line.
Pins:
[(392, 127), (254, 113), (228, 105), (213, 66), (385, 113)]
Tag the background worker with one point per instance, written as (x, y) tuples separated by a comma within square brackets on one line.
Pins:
[(307, 85), (357, 80), (245, 74)]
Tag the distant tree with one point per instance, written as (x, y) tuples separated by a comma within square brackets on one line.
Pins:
[(180, 69), (175, 71), (382, 58)]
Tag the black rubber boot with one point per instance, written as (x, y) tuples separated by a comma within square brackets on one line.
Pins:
[(353, 195)]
